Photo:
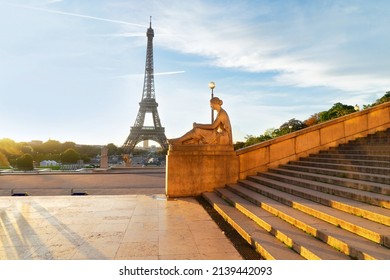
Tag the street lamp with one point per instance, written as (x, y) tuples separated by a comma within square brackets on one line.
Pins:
[(212, 86)]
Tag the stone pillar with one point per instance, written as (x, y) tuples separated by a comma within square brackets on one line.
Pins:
[(104, 157), (194, 169)]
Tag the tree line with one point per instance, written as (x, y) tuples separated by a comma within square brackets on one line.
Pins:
[(336, 111), (23, 154)]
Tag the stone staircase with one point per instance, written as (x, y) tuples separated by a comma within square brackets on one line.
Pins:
[(333, 205)]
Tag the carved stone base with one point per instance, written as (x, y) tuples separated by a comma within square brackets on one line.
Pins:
[(194, 169)]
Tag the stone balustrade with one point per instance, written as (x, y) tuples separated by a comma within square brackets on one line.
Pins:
[(271, 153)]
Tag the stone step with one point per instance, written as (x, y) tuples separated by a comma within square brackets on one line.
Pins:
[(333, 196), (368, 229), (363, 150), (384, 139), (346, 242), (362, 146), (366, 144), (351, 156), (307, 246), (345, 167), (339, 197), (263, 242), (357, 152), (379, 133), (379, 137), (373, 187), (345, 161), (377, 178)]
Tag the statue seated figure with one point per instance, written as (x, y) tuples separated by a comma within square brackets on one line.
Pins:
[(217, 133)]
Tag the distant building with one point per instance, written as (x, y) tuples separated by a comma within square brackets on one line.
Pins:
[(36, 142), (46, 163)]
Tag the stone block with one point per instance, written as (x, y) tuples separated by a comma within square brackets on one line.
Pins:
[(332, 133), (282, 149), (378, 118), (355, 125), (253, 159), (194, 169), (307, 141)]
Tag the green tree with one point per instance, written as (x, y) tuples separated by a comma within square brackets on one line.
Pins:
[(251, 140), (68, 145), (10, 149), (25, 162), (269, 133), (51, 147), (70, 156), (338, 110), (112, 149), (314, 119), (290, 126), (239, 145), (3, 161), (26, 149), (383, 99)]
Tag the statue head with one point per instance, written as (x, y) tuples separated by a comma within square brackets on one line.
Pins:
[(216, 100)]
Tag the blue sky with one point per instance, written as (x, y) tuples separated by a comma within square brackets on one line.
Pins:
[(73, 70)]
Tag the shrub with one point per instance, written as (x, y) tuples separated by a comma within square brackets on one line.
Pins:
[(70, 156), (25, 162)]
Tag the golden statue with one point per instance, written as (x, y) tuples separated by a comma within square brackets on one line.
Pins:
[(219, 132)]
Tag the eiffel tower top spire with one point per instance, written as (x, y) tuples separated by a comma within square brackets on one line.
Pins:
[(148, 92)]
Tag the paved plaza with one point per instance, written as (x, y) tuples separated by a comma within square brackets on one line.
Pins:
[(139, 225), (132, 181)]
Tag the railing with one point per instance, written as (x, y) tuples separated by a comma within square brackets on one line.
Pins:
[(271, 153)]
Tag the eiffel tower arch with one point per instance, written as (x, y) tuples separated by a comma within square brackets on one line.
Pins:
[(139, 132)]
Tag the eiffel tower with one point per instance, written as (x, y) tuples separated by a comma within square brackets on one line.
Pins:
[(148, 104)]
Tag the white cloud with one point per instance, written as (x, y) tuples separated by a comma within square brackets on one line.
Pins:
[(306, 49), (53, 1), (77, 15)]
